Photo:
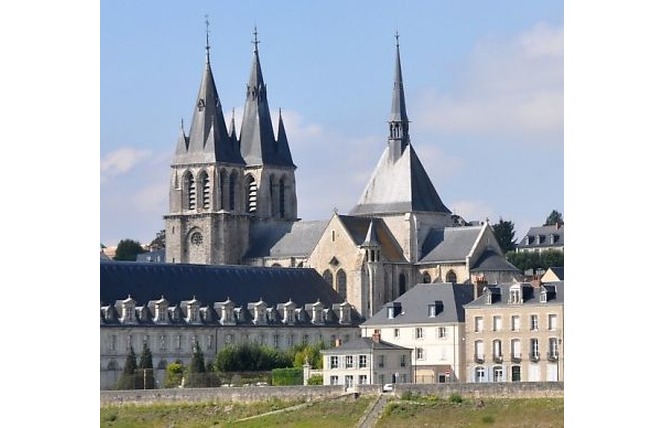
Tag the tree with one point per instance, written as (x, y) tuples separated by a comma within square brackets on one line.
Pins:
[(128, 249), (146, 369), (525, 260), (159, 242), (309, 353), (196, 372), (554, 218), (127, 379), (174, 374), (504, 232)]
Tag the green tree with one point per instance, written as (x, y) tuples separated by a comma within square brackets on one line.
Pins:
[(504, 232), (128, 249), (174, 373), (309, 353), (251, 357), (128, 378), (196, 371), (146, 369), (554, 218), (159, 242), (525, 260)]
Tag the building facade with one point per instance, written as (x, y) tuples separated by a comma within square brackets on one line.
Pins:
[(170, 307), (429, 319), (542, 238), (515, 333), (366, 361)]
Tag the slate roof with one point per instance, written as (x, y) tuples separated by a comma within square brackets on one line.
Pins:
[(399, 187), (490, 260), (530, 240), (284, 239), (450, 244), (208, 139), (209, 284), (362, 344), (257, 137), (358, 228), (530, 294), (415, 305)]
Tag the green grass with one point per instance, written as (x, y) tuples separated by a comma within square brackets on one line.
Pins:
[(417, 410), (496, 413)]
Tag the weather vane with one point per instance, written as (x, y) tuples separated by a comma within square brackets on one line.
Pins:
[(256, 40), (207, 34)]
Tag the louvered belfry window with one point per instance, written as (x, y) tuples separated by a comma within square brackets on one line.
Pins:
[(206, 191), (191, 191)]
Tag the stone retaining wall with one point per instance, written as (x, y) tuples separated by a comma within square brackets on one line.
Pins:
[(254, 393)]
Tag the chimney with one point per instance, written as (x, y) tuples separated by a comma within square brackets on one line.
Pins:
[(376, 336), (557, 225), (338, 343), (536, 282)]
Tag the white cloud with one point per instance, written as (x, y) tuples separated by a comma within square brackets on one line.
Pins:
[(121, 161), (510, 87)]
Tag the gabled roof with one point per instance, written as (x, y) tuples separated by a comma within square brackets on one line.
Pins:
[(210, 284), (280, 239), (362, 344), (558, 272), (415, 305), (490, 260), (358, 228), (450, 244), (398, 187)]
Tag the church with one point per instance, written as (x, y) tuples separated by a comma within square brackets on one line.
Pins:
[(232, 201)]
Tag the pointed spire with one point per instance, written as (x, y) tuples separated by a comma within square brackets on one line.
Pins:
[(232, 129), (371, 240), (257, 137), (399, 121), (282, 141), (208, 139)]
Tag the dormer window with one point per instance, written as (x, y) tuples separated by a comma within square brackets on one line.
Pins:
[(128, 308), (193, 311), (345, 313), (515, 295), (543, 295)]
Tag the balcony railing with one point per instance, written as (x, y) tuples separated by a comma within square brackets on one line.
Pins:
[(553, 355), (498, 358), (479, 358), (516, 357), (534, 356)]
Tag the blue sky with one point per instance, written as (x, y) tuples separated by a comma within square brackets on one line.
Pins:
[(483, 82)]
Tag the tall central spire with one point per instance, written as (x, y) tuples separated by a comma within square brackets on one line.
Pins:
[(399, 122)]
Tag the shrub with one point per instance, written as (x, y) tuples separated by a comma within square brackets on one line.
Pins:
[(315, 380), (287, 376), (455, 398), (488, 419)]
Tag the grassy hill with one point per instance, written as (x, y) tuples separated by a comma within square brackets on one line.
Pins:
[(408, 411)]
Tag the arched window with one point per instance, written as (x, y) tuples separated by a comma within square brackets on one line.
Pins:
[(205, 181), (402, 284), (282, 197), (497, 374), (233, 182), (451, 277), (327, 275), (190, 185), (426, 278), (251, 191), (274, 203), (276, 265), (341, 283), (222, 191)]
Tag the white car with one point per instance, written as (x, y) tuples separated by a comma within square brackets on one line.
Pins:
[(388, 387)]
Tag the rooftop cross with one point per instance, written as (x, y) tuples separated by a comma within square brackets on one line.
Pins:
[(256, 40), (207, 38)]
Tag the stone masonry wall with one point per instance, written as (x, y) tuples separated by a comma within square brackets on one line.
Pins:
[(309, 393)]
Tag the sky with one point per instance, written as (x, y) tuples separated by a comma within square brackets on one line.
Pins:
[(483, 80)]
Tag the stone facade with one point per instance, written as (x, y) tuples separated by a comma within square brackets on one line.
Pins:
[(514, 333)]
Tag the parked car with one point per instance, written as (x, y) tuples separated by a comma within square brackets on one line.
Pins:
[(388, 387)]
